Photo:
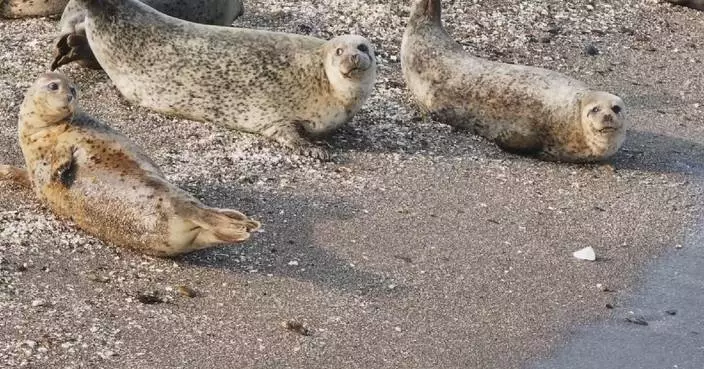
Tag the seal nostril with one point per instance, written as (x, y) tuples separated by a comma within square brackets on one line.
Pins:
[(355, 58)]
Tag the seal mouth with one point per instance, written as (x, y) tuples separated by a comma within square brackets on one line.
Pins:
[(357, 64), (607, 130)]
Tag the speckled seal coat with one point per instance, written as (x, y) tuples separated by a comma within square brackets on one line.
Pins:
[(275, 84), (30, 8), (72, 44), (694, 4), (525, 110), (86, 172)]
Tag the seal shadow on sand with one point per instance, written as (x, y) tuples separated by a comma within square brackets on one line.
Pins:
[(660, 153), (271, 251)]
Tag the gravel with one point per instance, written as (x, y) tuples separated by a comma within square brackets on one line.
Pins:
[(476, 243)]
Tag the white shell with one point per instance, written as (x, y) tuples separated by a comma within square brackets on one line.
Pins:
[(586, 253)]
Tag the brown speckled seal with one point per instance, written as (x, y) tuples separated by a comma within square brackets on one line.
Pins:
[(86, 172), (72, 44), (525, 110), (279, 85), (30, 8)]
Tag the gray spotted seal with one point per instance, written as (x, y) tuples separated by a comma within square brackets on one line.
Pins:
[(279, 85), (30, 8), (89, 173), (694, 4), (525, 110), (72, 44)]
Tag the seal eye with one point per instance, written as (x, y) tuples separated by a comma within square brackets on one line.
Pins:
[(363, 48), (53, 86), (339, 51), (595, 109), (616, 109)]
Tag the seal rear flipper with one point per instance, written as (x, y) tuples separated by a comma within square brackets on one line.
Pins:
[(15, 175), (218, 226), (74, 47)]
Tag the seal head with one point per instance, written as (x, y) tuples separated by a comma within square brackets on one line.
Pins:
[(602, 117), (350, 64), (50, 100)]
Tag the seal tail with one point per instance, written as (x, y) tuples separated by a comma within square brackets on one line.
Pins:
[(15, 176), (427, 9), (74, 47), (222, 226)]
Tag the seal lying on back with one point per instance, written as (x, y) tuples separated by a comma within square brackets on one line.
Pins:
[(523, 109), (85, 171), (72, 44), (275, 84), (30, 8)]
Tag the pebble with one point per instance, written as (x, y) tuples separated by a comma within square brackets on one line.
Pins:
[(38, 302)]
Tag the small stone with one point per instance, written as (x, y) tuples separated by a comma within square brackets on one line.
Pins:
[(97, 278), (678, 246), (38, 302), (106, 354), (293, 263), (671, 312), (297, 327), (637, 319), (609, 306), (186, 291), (591, 50), (149, 298), (586, 253)]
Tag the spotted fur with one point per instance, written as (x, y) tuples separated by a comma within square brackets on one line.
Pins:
[(523, 109), (275, 84), (72, 44), (88, 173), (31, 8)]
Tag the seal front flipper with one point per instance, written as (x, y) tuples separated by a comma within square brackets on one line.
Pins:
[(288, 134), (519, 143), (63, 165), (15, 175)]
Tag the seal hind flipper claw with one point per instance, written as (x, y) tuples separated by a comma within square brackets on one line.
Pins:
[(74, 47), (218, 226), (15, 175), (288, 134)]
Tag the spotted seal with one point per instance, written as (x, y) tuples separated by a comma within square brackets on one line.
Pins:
[(30, 8), (72, 44), (283, 86), (523, 109), (91, 174)]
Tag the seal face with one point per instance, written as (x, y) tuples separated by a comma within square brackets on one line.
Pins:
[(87, 172), (282, 86), (31, 8), (523, 109), (72, 44)]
